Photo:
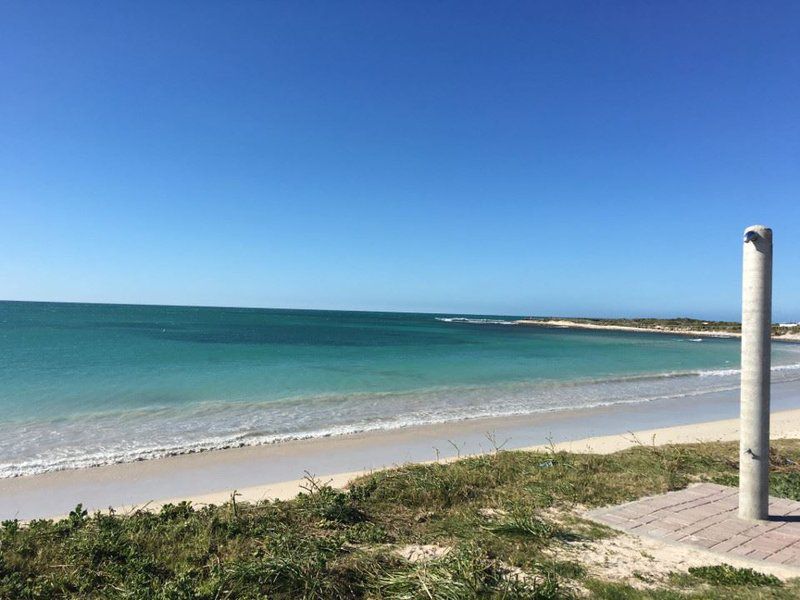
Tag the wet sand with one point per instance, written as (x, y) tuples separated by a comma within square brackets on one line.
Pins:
[(277, 470)]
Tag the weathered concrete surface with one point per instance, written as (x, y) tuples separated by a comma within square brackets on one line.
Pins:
[(755, 400), (705, 516)]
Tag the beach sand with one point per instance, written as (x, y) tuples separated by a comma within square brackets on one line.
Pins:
[(784, 424), (276, 471)]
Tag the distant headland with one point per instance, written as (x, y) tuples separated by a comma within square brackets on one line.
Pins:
[(680, 326)]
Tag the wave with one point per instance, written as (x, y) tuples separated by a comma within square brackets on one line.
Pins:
[(98, 459), (673, 375), (117, 436), (475, 321), (723, 372)]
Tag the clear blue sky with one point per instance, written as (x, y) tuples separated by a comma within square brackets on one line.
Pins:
[(581, 158)]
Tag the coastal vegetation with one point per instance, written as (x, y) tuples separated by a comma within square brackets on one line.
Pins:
[(501, 525)]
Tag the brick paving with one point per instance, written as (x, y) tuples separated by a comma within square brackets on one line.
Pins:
[(705, 516)]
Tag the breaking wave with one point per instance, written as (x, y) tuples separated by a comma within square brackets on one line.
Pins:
[(159, 431), (475, 321)]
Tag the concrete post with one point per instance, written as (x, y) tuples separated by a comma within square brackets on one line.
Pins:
[(756, 340)]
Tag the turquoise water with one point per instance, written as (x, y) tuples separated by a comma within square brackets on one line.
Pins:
[(87, 384)]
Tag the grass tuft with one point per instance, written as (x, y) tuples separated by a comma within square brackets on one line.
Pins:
[(726, 575), (466, 574), (526, 525)]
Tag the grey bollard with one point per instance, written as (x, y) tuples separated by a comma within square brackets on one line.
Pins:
[(756, 340)]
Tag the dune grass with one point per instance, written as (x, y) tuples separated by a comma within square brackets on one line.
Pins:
[(493, 515)]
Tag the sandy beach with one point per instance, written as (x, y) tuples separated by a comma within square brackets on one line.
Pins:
[(278, 470), (784, 424)]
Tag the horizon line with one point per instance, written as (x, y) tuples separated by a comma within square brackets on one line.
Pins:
[(354, 310)]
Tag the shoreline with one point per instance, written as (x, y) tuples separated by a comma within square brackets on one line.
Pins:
[(570, 324), (277, 469), (783, 424)]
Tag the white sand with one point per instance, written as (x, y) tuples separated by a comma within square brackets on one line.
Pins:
[(784, 425)]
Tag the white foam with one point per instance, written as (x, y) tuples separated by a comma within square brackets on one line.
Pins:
[(724, 372), (159, 431), (475, 321)]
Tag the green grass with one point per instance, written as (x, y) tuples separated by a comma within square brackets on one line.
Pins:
[(726, 575), (328, 543)]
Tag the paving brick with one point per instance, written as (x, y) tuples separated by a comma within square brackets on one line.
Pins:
[(693, 504), (703, 523), (792, 529), (739, 551), (785, 555), (703, 542), (778, 539), (613, 519), (761, 544), (730, 543), (705, 516), (676, 521), (718, 533)]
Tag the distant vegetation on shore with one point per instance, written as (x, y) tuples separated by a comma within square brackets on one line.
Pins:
[(506, 525), (677, 325)]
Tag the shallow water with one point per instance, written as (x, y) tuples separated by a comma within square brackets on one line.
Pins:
[(89, 384)]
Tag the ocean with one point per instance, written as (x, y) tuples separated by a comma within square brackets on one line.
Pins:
[(90, 384)]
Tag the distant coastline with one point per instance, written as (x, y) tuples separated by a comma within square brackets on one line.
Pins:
[(686, 327)]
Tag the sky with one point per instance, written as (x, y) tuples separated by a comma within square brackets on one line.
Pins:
[(545, 158)]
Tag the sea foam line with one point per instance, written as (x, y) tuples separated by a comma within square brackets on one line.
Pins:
[(475, 321), (240, 440), (35, 467), (251, 438), (721, 372)]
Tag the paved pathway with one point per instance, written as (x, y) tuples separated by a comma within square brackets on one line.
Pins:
[(704, 516)]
